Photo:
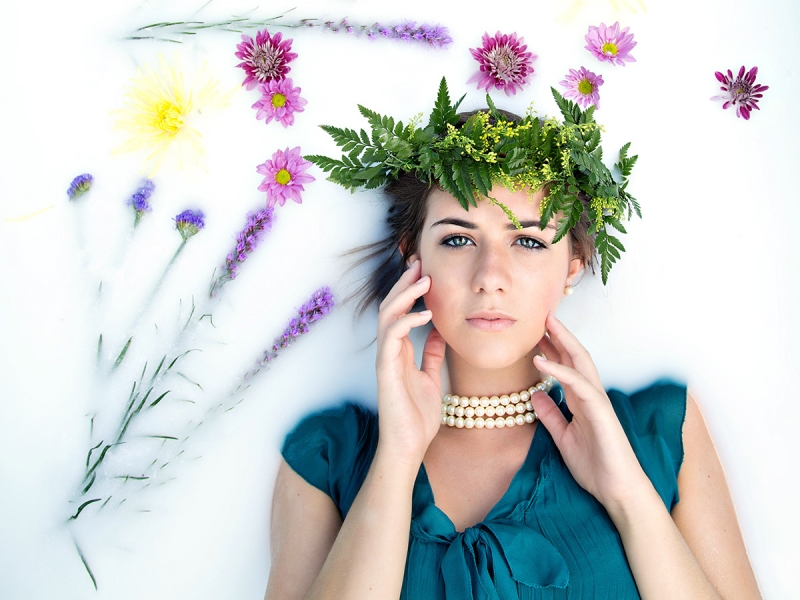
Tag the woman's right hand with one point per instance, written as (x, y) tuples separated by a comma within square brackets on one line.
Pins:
[(409, 398)]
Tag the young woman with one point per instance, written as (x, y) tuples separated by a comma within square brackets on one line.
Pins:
[(575, 493)]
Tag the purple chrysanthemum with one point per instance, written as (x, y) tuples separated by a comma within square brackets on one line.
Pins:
[(284, 177), (189, 222), (264, 59), (741, 91), (320, 304), (139, 200), (279, 101), (583, 86), (258, 223), (609, 44), (504, 63), (79, 186)]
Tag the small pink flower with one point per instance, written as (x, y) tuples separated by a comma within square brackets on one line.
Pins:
[(265, 59), (284, 177), (583, 86), (609, 44), (741, 91), (504, 63), (279, 101)]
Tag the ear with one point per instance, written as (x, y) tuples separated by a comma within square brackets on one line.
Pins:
[(411, 259), (575, 267)]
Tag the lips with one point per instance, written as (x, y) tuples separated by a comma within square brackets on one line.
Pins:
[(490, 320)]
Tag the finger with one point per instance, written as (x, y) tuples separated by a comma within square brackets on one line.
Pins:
[(572, 380), (401, 327), (549, 350), (411, 275), (580, 357), (433, 354), (565, 357), (550, 415), (403, 302)]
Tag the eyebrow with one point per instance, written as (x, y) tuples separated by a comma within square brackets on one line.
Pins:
[(471, 225)]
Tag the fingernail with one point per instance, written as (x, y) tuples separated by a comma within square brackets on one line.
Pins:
[(414, 263), (541, 357), (421, 279)]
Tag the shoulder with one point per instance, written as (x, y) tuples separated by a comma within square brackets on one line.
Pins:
[(653, 419), (332, 449)]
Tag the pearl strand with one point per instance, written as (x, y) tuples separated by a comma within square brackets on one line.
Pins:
[(495, 411)]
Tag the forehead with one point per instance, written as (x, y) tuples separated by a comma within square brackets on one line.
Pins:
[(523, 204)]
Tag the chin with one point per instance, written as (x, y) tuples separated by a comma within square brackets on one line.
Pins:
[(490, 356)]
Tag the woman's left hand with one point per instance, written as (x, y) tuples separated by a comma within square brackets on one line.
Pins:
[(594, 445)]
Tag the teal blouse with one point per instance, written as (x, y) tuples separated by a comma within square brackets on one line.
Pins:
[(546, 538)]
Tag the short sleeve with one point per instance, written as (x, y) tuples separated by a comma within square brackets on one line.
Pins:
[(333, 449), (653, 421)]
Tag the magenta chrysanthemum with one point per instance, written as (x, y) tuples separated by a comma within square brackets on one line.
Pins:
[(279, 101), (504, 63), (741, 91), (583, 86), (609, 44), (264, 59), (284, 177)]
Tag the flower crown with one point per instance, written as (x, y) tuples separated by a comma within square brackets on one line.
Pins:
[(489, 149)]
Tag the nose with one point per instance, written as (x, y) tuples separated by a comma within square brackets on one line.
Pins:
[(492, 273)]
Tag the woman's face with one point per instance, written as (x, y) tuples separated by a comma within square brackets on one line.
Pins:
[(492, 285)]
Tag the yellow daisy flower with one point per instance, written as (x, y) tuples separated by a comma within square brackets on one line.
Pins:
[(159, 112)]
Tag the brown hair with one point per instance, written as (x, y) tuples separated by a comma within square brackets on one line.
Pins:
[(408, 206)]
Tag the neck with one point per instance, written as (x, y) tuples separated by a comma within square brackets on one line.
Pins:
[(468, 380)]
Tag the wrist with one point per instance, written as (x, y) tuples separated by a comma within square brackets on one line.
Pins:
[(637, 503), (396, 463)]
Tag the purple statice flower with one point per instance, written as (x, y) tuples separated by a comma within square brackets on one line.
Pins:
[(79, 186), (740, 91), (139, 200), (319, 305), (504, 63), (433, 35), (189, 222), (264, 59), (258, 223), (583, 86), (284, 177), (279, 101), (609, 44)]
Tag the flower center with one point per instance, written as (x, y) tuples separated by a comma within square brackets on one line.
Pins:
[(585, 87), (505, 62), (610, 49), (283, 177), (168, 117), (740, 89), (266, 60), (278, 100)]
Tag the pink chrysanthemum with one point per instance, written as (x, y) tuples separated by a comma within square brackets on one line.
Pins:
[(279, 101), (264, 59), (504, 63), (609, 44), (741, 91), (583, 86), (284, 177)]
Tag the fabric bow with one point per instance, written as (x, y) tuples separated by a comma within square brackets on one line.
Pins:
[(485, 562)]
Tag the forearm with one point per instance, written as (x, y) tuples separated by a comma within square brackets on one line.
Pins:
[(661, 562), (369, 555)]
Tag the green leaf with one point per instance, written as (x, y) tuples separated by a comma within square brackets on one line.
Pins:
[(82, 506), (157, 400), (122, 354)]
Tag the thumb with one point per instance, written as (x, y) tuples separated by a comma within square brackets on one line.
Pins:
[(433, 354), (549, 415)]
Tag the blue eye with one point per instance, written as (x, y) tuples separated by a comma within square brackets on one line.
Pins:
[(456, 241), (530, 243)]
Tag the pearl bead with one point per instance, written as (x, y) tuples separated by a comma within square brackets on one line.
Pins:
[(480, 411), (444, 409), (446, 398), (519, 420), (484, 401), (529, 418), (479, 423), (529, 405), (520, 408), (451, 421), (444, 419), (513, 398), (460, 422), (464, 401), (504, 399), (489, 423), (500, 410), (499, 423), (454, 400), (473, 402), (532, 390), (524, 395), (490, 410), (494, 401), (469, 412), (451, 410), (459, 411), (469, 423), (510, 422)]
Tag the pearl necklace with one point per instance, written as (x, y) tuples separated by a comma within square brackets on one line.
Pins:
[(495, 411)]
